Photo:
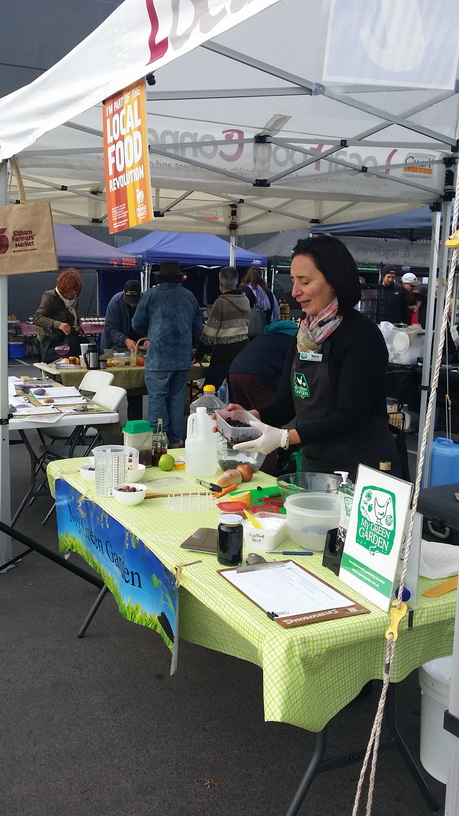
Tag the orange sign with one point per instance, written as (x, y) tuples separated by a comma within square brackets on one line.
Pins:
[(127, 170)]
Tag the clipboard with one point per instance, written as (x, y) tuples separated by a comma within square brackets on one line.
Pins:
[(282, 593)]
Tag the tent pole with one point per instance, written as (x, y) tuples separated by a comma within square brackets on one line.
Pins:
[(5, 498), (428, 338), (233, 245), (442, 273)]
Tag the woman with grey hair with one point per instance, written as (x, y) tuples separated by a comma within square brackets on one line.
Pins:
[(226, 331)]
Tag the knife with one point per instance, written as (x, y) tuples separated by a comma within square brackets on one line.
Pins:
[(213, 487)]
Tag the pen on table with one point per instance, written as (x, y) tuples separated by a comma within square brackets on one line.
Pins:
[(289, 552)]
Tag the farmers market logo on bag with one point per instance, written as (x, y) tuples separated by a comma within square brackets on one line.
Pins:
[(20, 240), (376, 520), (300, 385)]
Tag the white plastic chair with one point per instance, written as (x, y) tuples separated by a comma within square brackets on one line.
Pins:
[(93, 381), (109, 396)]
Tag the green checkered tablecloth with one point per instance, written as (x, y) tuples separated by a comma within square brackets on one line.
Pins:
[(309, 672)]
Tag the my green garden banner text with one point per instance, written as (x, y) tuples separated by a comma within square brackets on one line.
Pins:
[(143, 588)]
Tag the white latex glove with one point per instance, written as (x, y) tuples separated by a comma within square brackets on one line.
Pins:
[(269, 440)]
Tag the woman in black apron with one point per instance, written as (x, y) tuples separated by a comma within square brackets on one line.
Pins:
[(333, 382)]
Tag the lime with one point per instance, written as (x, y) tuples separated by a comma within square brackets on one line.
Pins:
[(166, 462)]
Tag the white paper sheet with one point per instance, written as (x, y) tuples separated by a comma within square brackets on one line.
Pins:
[(287, 591), (64, 400), (58, 392)]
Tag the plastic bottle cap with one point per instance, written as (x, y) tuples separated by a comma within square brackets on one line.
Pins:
[(231, 519), (208, 388)]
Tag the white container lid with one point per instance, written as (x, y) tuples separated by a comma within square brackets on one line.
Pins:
[(231, 519)]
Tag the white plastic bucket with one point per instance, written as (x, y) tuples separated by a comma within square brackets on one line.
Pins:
[(436, 743)]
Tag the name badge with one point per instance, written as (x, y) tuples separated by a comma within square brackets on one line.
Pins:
[(311, 356)]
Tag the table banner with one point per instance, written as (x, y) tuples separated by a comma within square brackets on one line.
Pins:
[(143, 588)]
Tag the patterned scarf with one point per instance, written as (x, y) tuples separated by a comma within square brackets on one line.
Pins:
[(314, 330), (70, 305)]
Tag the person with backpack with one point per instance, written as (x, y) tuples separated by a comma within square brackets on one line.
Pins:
[(263, 303), (226, 331)]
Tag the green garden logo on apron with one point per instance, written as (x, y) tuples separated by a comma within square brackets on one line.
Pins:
[(300, 385), (376, 520)]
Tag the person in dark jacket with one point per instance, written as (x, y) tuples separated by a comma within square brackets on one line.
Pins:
[(57, 317), (118, 334), (332, 386), (256, 371), (390, 297), (226, 331)]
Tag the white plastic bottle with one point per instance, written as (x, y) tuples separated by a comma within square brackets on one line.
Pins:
[(208, 400), (200, 445)]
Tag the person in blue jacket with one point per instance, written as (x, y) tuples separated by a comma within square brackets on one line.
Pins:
[(169, 315), (118, 334)]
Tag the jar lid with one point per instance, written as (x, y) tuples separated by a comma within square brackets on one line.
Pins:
[(231, 519), (134, 426)]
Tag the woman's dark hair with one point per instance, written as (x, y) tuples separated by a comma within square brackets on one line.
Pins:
[(337, 265), (69, 283), (253, 277)]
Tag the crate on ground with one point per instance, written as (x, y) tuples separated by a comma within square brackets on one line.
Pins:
[(16, 350)]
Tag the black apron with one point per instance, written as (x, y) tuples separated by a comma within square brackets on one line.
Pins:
[(314, 399)]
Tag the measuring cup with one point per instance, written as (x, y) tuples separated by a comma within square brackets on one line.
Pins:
[(111, 463)]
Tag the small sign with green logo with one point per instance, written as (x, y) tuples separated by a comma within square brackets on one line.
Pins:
[(375, 534), (300, 385)]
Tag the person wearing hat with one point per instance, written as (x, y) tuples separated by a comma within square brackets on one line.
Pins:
[(169, 315), (390, 297), (119, 335), (409, 288)]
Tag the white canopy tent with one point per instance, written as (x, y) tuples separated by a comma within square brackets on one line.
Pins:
[(303, 114), (244, 131)]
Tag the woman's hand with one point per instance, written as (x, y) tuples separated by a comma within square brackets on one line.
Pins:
[(130, 344), (269, 440), (65, 327)]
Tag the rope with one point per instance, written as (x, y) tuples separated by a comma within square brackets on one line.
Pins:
[(373, 743)]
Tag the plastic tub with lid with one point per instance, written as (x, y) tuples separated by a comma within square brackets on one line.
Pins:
[(272, 533), (309, 516)]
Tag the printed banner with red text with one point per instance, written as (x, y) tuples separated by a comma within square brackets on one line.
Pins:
[(127, 169)]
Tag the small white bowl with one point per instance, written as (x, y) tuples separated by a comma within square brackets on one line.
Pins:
[(88, 472), (90, 460), (136, 474), (130, 498)]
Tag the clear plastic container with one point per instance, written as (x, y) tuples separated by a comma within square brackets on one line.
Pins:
[(233, 435), (208, 400), (229, 458), (111, 462), (137, 433), (310, 516)]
